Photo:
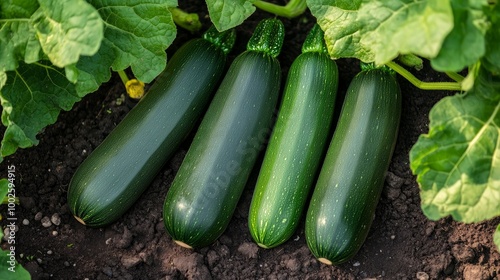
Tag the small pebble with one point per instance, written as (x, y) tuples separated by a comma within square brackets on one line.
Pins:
[(130, 261), (393, 237), (6, 233), (475, 272), (422, 275), (26, 222), (49, 252), (55, 233), (55, 219), (38, 216), (356, 264), (46, 222), (39, 261), (66, 263)]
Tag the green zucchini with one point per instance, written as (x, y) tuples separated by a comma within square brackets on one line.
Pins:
[(297, 145), (206, 189), (350, 182), (118, 171)]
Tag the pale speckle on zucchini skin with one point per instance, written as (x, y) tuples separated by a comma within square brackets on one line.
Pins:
[(223, 151), (352, 184), (291, 159), (127, 161)]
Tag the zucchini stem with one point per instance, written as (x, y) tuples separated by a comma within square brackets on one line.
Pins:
[(188, 21), (223, 40), (267, 37), (292, 9), (315, 41), (424, 85)]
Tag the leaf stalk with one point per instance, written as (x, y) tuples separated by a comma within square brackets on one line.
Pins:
[(292, 9), (188, 21), (455, 76), (455, 86)]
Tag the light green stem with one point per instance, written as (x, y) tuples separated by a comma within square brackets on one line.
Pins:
[(411, 60), (123, 76), (292, 9), (423, 85), (188, 21), (455, 76)]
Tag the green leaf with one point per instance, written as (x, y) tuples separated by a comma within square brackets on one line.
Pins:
[(67, 29), (18, 40), (3, 79), (32, 98), (486, 83), (10, 268), (465, 44), (378, 31), (15, 9), (458, 162), (491, 59), (226, 14), (136, 35), (95, 70), (4, 189), (82, 49)]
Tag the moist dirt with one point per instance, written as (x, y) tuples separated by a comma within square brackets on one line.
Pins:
[(402, 243)]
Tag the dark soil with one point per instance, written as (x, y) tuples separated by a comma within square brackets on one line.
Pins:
[(402, 243)]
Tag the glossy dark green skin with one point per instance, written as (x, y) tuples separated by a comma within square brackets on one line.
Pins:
[(211, 179), (295, 150), (348, 189), (118, 171)]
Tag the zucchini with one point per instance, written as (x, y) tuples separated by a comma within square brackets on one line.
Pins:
[(118, 171), (297, 145), (350, 182), (209, 183)]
